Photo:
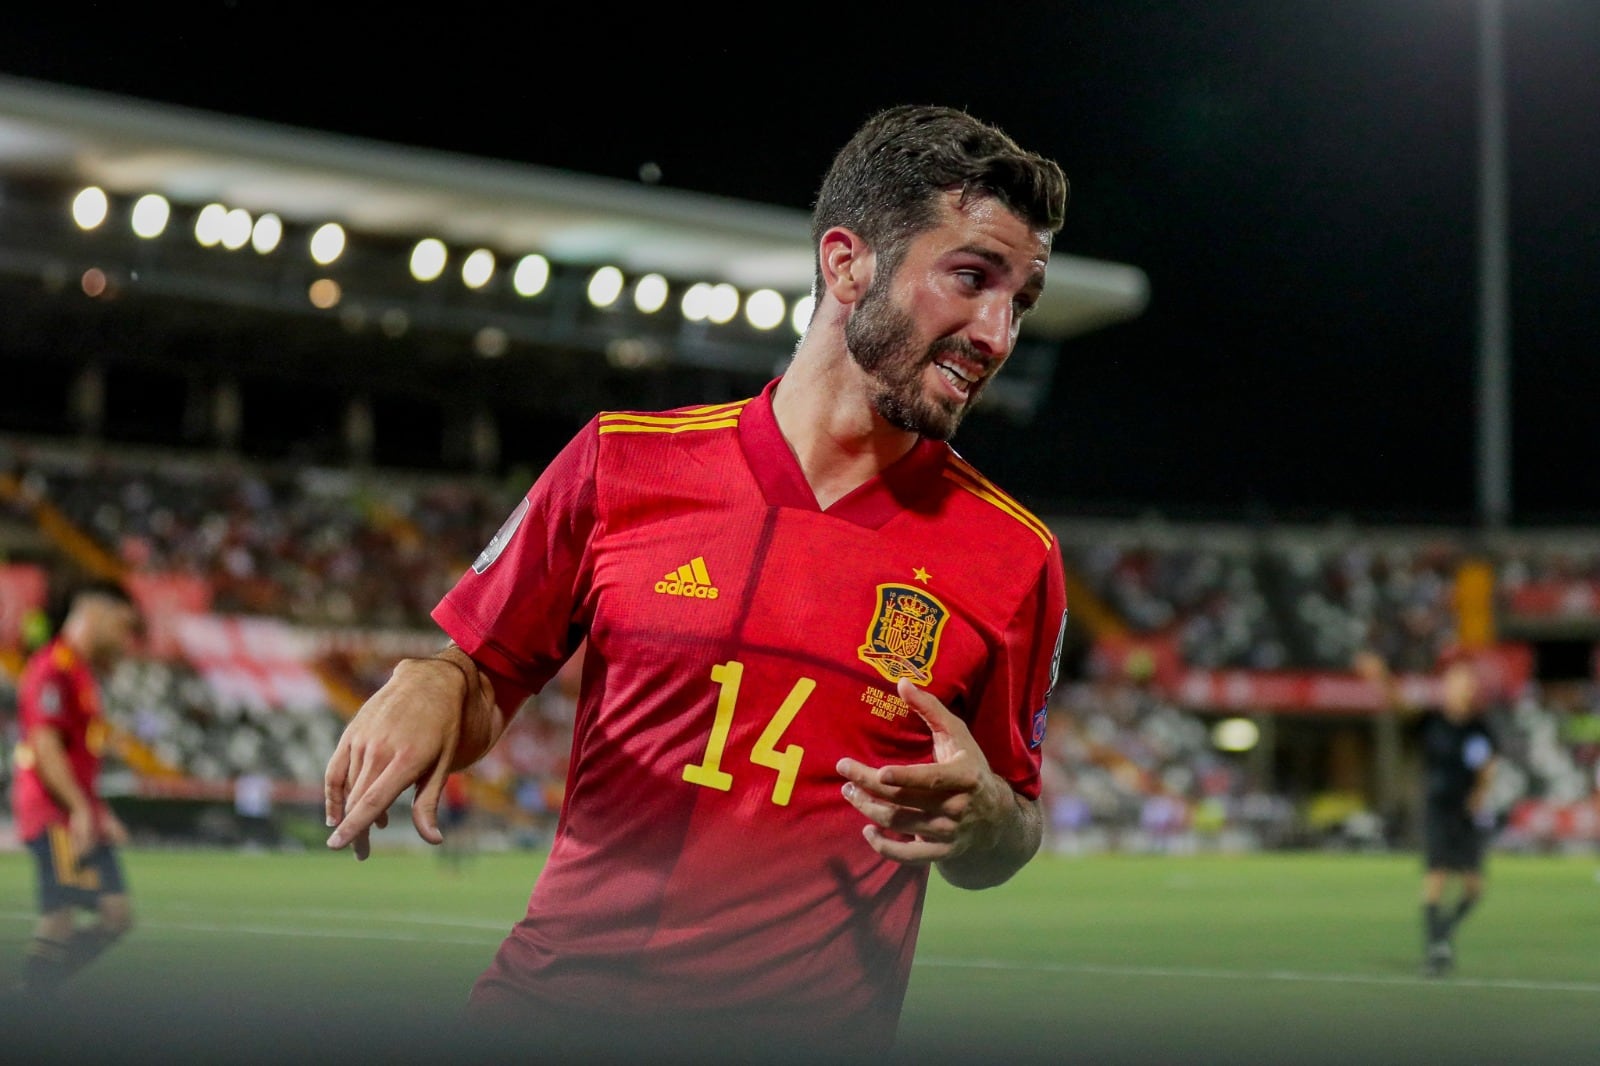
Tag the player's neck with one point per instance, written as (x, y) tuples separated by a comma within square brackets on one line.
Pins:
[(76, 640), (824, 411)]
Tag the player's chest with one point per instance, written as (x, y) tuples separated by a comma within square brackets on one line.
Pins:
[(868, 602)]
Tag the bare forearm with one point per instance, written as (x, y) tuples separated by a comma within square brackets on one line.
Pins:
[(483, 720), (50, 762), (1007, 841)]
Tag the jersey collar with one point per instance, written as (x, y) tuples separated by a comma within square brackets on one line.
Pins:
[(911, 480)]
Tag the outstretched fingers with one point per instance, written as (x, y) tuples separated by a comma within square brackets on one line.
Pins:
[(918, 814), (334, 779), (913, 851), (371, 791), (403, 737), (929, 707), (951, 738), (425, 805), (929, 813)]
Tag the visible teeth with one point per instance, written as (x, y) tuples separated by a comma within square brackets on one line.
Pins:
[(957, 382), (956, 372)]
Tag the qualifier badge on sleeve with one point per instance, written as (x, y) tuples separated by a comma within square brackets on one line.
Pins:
[(502, 537)]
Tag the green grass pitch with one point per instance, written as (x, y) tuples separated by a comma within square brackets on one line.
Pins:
[(1276, 958)]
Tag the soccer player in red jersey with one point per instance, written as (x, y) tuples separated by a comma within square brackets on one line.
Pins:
[(819, 645), (60, 816)]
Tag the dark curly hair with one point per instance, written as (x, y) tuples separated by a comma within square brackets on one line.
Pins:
[(885, 183)]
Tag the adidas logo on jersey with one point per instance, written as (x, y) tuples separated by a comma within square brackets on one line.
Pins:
[(691, 580)]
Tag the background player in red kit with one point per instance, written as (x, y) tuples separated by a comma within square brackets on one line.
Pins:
[(60, 816), (820, 645)]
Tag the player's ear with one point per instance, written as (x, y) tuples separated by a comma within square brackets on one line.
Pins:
[(846, 264)]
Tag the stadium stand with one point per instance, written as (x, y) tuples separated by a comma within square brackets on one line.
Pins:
[(327, 565)]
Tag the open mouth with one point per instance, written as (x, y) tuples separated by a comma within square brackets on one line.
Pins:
[(959, 378)]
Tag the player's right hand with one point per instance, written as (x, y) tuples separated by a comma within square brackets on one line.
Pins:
[(405, 735), (80, 831)]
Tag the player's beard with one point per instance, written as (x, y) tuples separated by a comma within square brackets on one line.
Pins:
[(880, 337)]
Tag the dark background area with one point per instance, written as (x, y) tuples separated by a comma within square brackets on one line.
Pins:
[(1298, 178)]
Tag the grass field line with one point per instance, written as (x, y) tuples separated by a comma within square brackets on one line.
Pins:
[(1199, 973), (1190, 973), (304, 932), (146, 908), (170, 916)]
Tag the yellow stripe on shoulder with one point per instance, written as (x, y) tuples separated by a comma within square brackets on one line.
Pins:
[(712, 416), (977, 478), (728, 423), (733, 407), (963, 474)]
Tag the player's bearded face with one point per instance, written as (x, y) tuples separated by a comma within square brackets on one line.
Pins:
[(111, 635), (882, 340)]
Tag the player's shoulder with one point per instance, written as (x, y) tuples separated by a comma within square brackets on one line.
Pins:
[(674, 424), (52, 660), (992, 508), (62, 657), (638, 453)]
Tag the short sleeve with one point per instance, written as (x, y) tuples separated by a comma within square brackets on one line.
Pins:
[(1013, 708), (44, 700), (514, 609)]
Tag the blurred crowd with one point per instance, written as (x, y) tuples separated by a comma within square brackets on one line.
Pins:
[(1303, 599), (316, 545), (358, 560)]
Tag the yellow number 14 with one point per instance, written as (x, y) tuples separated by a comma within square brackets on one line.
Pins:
[(708, 771)]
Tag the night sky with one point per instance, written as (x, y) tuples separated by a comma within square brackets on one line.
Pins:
[(1297, 178)]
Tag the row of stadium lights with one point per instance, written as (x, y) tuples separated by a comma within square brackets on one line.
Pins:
[(765, 309)]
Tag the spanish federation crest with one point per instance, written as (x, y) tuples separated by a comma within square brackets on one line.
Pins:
[(903, 639)]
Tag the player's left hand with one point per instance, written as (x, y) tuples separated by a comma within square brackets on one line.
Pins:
[(929, 812), (81, 831)]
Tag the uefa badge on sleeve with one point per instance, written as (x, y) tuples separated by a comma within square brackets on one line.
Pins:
[(502, 537)]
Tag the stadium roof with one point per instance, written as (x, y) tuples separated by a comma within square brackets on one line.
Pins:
[(131, 146)]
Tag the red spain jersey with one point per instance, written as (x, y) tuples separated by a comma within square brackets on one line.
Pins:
[(740, 642), (57, 689)]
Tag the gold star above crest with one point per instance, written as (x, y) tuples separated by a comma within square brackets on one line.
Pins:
[(921, 575)]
